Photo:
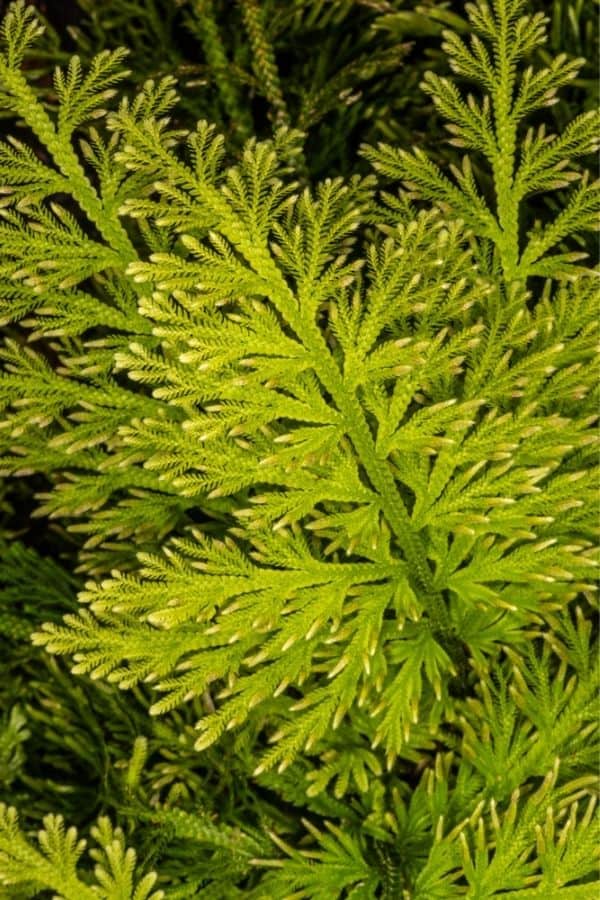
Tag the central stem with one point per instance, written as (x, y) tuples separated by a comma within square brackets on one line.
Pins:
[(379, 475)]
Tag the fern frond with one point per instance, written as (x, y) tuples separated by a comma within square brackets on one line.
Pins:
[(55, 865), (306, 393), (518, 164), (328, 463)]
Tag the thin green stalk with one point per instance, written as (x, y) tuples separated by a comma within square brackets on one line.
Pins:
[(506, 134), (263, 59), (220, 67)]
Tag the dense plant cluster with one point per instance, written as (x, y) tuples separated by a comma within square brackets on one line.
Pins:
[(298, 548)]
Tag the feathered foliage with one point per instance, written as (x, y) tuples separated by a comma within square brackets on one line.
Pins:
[(54, 865), (327, 462), (518, 161)]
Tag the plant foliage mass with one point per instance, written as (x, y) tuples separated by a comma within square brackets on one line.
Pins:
[(319, 460)]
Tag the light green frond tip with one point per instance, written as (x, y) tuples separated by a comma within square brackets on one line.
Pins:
[(521, 161), (55, 863)]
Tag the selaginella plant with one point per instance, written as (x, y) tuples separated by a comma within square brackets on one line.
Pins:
[(322, 67), (329, 457)]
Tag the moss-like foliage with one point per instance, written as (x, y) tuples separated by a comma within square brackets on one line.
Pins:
[(316, 459)]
